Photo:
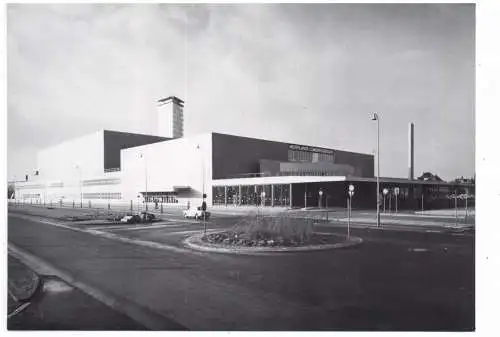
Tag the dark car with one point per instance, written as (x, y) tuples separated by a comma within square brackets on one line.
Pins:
[(147, 217)]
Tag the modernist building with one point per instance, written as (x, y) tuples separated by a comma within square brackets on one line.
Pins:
[(112, 166)]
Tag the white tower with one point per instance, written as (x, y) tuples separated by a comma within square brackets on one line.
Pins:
[(171, 117)]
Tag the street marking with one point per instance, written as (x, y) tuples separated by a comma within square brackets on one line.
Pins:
[(432, 231), (123, 227), (18, 310), (136, 228), (53, 286), (108, 235), (418, 250)]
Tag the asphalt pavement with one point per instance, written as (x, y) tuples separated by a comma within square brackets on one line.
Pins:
[(396, 280)]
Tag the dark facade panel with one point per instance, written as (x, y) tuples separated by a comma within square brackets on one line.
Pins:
[(237, 157), (363, 164), (234, 156), (115, 141)]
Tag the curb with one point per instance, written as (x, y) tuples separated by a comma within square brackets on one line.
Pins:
[(143, 315), (194, 242)]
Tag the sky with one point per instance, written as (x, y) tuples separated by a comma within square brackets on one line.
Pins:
[(299, 73)]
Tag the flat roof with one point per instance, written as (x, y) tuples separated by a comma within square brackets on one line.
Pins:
[(275, 180)]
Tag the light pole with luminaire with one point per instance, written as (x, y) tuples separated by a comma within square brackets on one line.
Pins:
[(385, 191), (375, 117), (320, 197), (145, 180), (263, 198), (396, 193), (198, 147), (81, 183), (349, 208)]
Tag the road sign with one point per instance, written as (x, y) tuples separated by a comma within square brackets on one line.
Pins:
[(351, 188), (385, 191), (396, 190)]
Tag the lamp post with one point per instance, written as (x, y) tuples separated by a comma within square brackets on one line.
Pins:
[(385, 191), (263, 198), (396, 193), (141, 155), (203, 203), (320, 197), (390, 201), (350, 192), (198, 147), (375, 117), (81, 183)]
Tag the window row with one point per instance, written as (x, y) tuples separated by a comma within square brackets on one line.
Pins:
[(257, 195), (307, 156), (104, 196)]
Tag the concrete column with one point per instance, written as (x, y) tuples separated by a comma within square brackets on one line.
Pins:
[(239, 195), (272, 195), (225, 195), (291, 196)]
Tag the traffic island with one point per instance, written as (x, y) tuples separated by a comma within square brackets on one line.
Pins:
[(237, 243)]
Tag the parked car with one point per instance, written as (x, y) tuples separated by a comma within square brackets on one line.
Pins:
[(147, 217), (135, 218), (196, 213)]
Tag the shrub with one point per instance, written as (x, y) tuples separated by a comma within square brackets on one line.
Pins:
[(281, 228)]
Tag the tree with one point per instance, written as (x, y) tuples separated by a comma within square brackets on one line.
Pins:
[(426, 176)]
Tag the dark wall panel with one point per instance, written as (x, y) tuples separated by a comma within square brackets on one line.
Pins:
[(234, 155), (363, 163), (115, 141)]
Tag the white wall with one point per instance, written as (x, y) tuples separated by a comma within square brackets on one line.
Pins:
[(58, 162), (171, 163)]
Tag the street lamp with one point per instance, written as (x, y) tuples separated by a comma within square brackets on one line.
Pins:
[(198, 147), (81, 183), (320, 197), (145, 180), (203, 203), (349, 208), (396, 193), (375, 117), (263, 198)]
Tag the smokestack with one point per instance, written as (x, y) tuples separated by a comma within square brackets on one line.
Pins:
[(411, 150)]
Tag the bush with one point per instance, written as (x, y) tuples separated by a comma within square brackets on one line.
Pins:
[(281, 228)]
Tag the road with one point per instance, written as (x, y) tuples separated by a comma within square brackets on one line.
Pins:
[(395, 280)]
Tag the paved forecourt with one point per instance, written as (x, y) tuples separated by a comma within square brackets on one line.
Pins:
[(394, 280)]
